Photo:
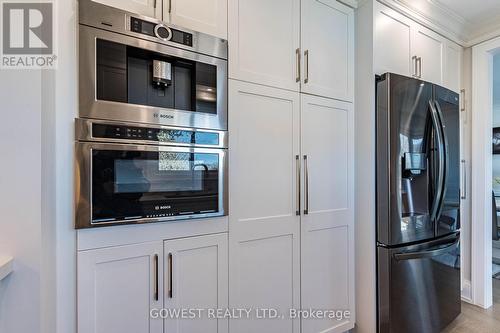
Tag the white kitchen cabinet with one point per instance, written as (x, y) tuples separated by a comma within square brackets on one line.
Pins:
[(428, 47), (328, 49), (405, 47), (118, 287), (264, 42), (327, 226), (453, 66), (392, 42), (196, 270), (264, 249), (207, 16), (151, 8)]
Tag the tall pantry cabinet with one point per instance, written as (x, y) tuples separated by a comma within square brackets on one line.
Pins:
[(291, 219)]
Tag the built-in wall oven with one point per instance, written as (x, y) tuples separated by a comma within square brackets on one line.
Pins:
[(139, 69), (137, 173)]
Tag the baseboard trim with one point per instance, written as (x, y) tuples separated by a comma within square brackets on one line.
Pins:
[(466, 291)]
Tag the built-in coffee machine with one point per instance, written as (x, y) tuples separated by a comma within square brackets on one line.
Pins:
[(139, 69)]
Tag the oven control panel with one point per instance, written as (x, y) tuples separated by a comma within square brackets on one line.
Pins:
[(158, 135), (161, 31)]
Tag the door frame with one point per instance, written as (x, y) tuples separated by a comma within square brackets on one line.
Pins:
[(481, 172)]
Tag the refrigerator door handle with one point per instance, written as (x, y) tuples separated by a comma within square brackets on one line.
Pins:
[(440, 142), (433, 252), (445, 156)]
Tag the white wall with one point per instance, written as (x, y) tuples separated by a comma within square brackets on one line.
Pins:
[(36, 189), (20, 199)]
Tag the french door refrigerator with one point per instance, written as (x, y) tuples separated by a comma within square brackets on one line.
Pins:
[(418, 205)]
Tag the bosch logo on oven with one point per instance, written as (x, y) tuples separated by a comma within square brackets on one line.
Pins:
[(163, 207)]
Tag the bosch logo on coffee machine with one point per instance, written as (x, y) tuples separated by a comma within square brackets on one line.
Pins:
[(163, 116)]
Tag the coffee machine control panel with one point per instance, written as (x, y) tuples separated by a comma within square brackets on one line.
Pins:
[(161, 32)]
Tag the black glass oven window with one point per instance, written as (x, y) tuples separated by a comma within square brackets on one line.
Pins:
[(127, 74), (142, 184)]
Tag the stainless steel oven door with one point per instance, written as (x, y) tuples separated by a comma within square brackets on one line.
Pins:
[(92, 107), (122, 183)]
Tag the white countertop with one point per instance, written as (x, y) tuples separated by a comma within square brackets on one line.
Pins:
[(6, 265)]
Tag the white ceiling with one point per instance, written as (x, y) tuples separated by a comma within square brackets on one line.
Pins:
[(467, 22), (473, 11)]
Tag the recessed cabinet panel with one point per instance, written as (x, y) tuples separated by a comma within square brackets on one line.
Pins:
[(196, 278), (263, 39), (151, 8), (328, 49), (429, 47), (453, 67), (327, 224), (264, 228), (208, 16), (117, 288), (392, 42)]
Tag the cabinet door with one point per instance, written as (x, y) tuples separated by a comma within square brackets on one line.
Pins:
[(207, 16), (327, 226), (264, 228), (263, 42), (197, 278), (328, 49), (429, 47), (392, 38), (453, 66), (118, 287), (151, 8)]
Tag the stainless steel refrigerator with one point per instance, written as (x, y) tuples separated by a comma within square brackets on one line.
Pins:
[(418, 205)]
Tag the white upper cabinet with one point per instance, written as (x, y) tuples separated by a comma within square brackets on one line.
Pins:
[(118, 287), (453, 66), (196, 278), (404, 47), (263, 42), (207, 16), (151, 8), (428, 47), (392, 42), (327, 49)]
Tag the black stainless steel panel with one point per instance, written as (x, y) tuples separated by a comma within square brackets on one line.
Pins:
[(419, 286), (447, 103), (404, 146)]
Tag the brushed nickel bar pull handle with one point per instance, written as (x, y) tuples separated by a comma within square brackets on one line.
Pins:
[(415, 70), (297, 56), (419, 67), (306, 186), (463, 196), (170, 6), (462, 100), (156, 277), (306, 64), (297, 161), (170, 277)]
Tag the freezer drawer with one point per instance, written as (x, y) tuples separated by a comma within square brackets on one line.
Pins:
[(419, 286)]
